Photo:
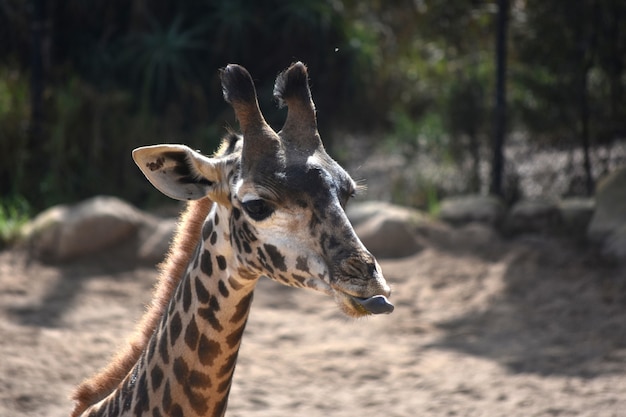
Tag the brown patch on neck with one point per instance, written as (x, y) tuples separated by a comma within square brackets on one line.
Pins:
[(172, 270)]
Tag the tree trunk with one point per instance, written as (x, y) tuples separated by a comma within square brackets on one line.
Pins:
[(497, 167), (36, 82)]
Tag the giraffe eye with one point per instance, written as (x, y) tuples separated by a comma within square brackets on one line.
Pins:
[(258, 209)]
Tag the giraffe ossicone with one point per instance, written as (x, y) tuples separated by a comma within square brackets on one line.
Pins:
[(266, 204)]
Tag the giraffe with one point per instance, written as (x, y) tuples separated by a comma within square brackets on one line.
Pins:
[(266, 203)]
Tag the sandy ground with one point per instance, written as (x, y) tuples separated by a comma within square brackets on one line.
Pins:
[(525, 328)]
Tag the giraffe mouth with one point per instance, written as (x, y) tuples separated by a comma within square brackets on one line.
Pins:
[(378, 304), (359, 306), (354, 305)]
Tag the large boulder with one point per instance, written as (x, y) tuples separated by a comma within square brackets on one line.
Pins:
[(576, 213), (610, 212), (535, 216), (67, 232), (614, 245), (461, 210), (154, 239), (387, 230)]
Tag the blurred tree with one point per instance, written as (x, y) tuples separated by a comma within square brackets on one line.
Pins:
[(123, 73), (499, 132), (569, 74)]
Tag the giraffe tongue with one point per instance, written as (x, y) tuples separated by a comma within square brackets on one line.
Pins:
[(377, 304)]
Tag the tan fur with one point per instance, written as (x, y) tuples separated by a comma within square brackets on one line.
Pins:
[(172, 270)]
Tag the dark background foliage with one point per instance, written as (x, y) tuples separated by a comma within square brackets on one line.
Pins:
[(82, 83)]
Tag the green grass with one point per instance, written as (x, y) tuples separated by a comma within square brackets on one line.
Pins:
[(14, 213)]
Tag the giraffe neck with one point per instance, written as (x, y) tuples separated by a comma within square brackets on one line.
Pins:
[(188, 365)]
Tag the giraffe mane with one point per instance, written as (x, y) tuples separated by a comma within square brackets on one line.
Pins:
[(172, 270)]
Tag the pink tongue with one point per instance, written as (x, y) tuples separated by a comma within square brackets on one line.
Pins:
[(377, 304)]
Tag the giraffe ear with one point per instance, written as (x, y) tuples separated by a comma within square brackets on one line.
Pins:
[(178, 171)]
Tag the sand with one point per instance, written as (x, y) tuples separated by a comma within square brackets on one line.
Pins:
[(530, 327)]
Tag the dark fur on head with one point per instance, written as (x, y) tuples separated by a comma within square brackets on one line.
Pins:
[(237, 85), (292, 83)]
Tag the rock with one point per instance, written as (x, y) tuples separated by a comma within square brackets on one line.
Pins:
[(610, 212), (66, 232), (466, 209), (614, 245), (155, 237), (537, 216), (359, 212), (576, 215), (387, 230)]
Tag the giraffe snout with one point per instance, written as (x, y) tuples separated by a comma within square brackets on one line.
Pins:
[(377, 304), (362, 286)]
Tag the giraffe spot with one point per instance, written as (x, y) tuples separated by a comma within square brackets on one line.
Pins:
[(186, 294), (156, 165), (201, 291), (167, 397), (165, 356), (197, 401), (214, 305), (236, 213), (249, 235), (151, 348), (229, 366), (235, 337), (156, 412), (208, 315), (208, 350), (221, 262), (207, 229), (222, 289), (206, 264), (114, 406), (216, 219), (237, 242), (142, 400), (224, 386), (242, 308), (176, 326), (220, 408), (246, 247), (127, 390), (278, 260), (213, 238), (302, 264), (199, 379), (181, 370), (176, 411), (156, 376), (192, 334), (299, 278), (261, 256)]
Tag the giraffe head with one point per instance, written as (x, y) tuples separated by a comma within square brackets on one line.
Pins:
[(284, 195)]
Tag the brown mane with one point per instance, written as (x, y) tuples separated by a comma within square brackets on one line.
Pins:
[(172, 270)]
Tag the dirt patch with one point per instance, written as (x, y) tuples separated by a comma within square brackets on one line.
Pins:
[(525, 328)]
